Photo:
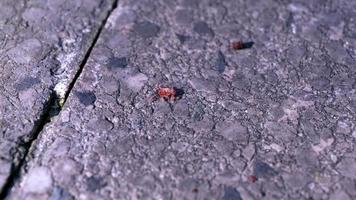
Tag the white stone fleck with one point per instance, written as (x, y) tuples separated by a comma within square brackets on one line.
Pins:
[(137, 81), (343, 127), (113, 17), (297, 8), (65, 115), (122, 15), (354, 134), (38, 180), (322, 145), (60, 89), (333, 158), (291, 109), (66, 59), (276, 147)]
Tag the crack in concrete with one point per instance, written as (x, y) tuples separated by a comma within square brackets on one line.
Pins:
[(26, 144), (52, 108), (86, 57)]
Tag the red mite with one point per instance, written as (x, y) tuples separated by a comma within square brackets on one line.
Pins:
[(252, 178), (237, 45), (166, 93)]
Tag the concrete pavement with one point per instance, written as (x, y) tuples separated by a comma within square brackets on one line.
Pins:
[(275, 120)]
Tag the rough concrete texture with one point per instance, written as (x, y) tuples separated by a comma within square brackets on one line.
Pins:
[(41, 45), (275, 120)]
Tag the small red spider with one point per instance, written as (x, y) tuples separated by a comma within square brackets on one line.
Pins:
[(166, 93)]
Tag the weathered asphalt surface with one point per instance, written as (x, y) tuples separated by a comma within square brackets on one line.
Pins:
[(272, 121)]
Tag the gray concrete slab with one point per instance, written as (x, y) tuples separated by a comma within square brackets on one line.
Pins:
[(42, 44), (272, 121)]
